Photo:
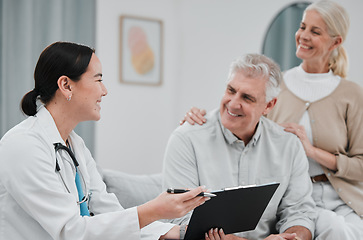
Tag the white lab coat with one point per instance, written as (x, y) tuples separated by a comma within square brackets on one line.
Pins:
[(34, 203)]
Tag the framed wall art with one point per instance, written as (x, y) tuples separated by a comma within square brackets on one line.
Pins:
[(141, 58)]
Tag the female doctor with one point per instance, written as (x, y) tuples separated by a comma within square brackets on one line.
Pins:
[(49, 184)]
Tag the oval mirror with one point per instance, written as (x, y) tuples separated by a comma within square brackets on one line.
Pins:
[(279, 43)]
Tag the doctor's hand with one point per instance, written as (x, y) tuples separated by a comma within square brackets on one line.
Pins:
[(215, 234), (169, 206), (195, 115)]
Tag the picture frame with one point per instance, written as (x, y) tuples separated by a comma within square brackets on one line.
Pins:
[(141, 50)]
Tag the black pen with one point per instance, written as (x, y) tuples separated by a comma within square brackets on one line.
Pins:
[(202, 194)]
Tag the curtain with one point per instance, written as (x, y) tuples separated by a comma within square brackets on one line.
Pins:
[(26, 28), (279, 43)]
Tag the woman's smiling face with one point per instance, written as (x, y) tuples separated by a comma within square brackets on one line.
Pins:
[(88, 91), (313, 42)]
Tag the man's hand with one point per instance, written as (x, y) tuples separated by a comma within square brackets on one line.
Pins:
[(174, 233), (302, 233), (214, 234), (282, 236)]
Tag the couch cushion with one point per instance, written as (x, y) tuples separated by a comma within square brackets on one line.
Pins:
[(131, 189)]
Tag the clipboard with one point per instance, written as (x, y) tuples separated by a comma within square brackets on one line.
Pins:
[(234, 210)]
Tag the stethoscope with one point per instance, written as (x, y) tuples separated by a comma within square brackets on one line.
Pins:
[(59, 146)]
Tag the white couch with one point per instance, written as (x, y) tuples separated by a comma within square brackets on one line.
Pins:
[(131, 189)]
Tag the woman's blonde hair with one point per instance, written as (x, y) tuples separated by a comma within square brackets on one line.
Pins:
[(337, 21)]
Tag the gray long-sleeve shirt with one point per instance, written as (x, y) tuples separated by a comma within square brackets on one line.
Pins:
[(211, 155)]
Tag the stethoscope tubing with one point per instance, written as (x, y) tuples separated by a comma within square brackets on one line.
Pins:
[(59, 146)]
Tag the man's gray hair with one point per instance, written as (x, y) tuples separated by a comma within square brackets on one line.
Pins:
[(257, 65)]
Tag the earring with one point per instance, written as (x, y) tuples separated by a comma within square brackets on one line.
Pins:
[(69, 98)]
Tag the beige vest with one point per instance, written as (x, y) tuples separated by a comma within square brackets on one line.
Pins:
[(337, 127)]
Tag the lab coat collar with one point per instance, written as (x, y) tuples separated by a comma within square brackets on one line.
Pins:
[(47, 122)]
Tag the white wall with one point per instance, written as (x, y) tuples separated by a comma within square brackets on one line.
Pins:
[(201, 38), (136, 120)]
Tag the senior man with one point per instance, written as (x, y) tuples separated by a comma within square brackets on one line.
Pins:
[(239, 146)]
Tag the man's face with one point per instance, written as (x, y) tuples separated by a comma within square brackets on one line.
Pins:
[(242, 105)]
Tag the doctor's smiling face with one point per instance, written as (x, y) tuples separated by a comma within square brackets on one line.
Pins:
[(87, 93), (243, 103)]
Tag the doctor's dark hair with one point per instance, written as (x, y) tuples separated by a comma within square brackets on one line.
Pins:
[(56, 60)]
